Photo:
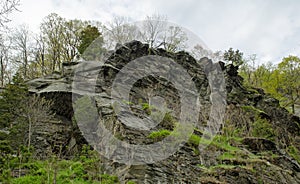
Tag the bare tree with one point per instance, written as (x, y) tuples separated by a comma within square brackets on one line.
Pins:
[(119, 30), (4, 59), (36, 110), (39, 53), (7, 7), (174, 39), (21, 43), (199, 51), (152, 29), (157, 32)]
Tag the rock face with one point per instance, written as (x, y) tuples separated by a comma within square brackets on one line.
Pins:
[(252, 146)]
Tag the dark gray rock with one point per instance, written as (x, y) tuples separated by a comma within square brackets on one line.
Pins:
[(183, 165)]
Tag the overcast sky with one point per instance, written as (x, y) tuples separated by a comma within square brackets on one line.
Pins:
[(268, 28)]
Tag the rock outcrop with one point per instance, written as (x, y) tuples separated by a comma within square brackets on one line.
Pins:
[(252, 146)]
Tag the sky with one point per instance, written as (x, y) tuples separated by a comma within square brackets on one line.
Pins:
[(268, 28)]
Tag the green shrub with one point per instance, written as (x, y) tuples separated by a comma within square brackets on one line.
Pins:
[(29, 179), (227, 155), (109, 179), (159, 135), (249, 108), (84, 169), (262, 128), (194, 140), (294, 152)]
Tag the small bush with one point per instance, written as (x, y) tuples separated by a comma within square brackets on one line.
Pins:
[(262, 128), (194, 140), (108, 179), (294, 152), (159, 135)]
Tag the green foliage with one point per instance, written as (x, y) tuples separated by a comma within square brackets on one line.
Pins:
[(109, 179), (232, 132), (147, 108), (159, 135), (11, 101), (262, 128), (227, 155), (281, 81), (290, 85), (235, 57), (87, 36), (223, 142), (251, 108), (169, 122), (86, 169), (91, 43), (294, 152), (5, 155), (194, 140)]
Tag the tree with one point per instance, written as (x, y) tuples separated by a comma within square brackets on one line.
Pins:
[(290, 84), (21, 43), (157, 32), (11, 101), (152, 29), (247, 71), (7, 7), (19, 111), (52, 30), (87, 36), (91, 46), (199, 52), (4, 59), (36, 110), (235, 57), (40, 56), (174, 39), (72, 38), (119, 30), (66, 39), (281, 81)]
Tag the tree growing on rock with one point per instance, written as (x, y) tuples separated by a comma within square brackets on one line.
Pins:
[(119, 30), (235, 57), (174, 39), (36, 110), (52, 30), (156, 32), (87, 36)]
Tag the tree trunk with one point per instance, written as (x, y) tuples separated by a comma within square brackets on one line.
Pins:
[(29, 132), (2, 71), (25, 64)]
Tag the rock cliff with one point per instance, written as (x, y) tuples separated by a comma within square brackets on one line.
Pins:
[(258, 141)]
